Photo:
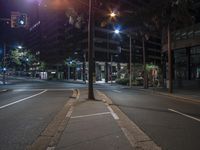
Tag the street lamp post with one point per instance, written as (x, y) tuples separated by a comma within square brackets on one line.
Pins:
[(112, 16), (130, 60), (27, 60), (145, 82), (107, 58), (4, 64), (111, 70), (130, 56)]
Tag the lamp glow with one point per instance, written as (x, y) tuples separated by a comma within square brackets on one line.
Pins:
[(116, 31)]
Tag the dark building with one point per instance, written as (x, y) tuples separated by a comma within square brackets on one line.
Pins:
[(186, 55), (58, 36), (46, 35)]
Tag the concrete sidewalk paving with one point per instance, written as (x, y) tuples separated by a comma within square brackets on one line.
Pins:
[(94, 125)]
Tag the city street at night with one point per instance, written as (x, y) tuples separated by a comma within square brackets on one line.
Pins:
[(26, 112), (28, 107), (99, 75), (172, 123)]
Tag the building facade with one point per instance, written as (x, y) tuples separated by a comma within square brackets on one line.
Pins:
[(185, 45), (186, 57), (58, 38)]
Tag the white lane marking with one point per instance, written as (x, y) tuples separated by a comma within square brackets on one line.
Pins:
[(184, 115), (113, 113), (117, 91), (19, 90), (69, 112), (4, 90), (97, 114), (4, 106)]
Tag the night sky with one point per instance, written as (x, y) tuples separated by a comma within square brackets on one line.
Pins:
[(7, 35)]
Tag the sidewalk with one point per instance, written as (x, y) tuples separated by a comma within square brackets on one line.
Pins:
[(100, 125), (92, 127)]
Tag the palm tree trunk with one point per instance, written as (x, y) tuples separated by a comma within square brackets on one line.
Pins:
[(90, 50), (144, 65), (169, 60)]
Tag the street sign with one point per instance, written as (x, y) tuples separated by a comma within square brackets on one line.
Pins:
[(14, 18)]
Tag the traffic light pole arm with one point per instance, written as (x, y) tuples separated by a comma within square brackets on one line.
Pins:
[(5, 19)]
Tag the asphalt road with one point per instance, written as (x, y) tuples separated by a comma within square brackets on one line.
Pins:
[(26, 110), (172, 124), (28, 107)]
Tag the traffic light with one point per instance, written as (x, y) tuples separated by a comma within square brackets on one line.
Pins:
[(19, 20), (22, 20)]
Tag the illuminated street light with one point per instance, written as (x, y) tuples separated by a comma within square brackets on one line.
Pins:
[(20, 47), (113, 14), (116, 31)]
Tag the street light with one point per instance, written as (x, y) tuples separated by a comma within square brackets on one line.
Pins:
[(4, 64), (19, 46), (113, 14), (117, 31)]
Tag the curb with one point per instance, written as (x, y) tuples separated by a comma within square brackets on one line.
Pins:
[(51, 135), (137, 138), (181, 98)]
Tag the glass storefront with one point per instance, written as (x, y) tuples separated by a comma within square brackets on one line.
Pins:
[(187, 64), (195, 63), (180, 64)]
